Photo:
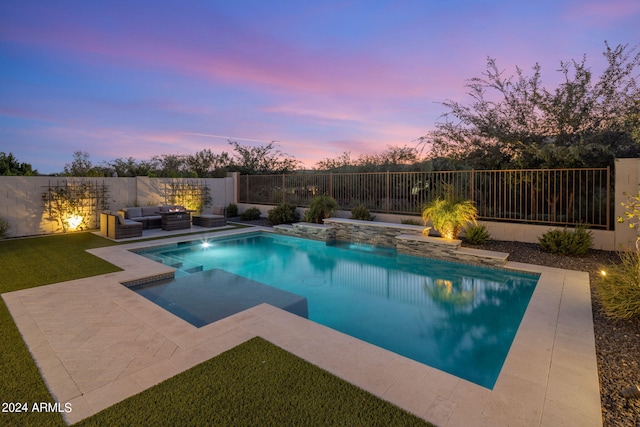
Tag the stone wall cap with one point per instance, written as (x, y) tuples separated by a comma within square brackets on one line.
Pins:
[(483, 253), (311, 225), (374, 223), (283, 226), (428, 239)]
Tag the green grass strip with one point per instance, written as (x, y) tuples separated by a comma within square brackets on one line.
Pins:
[(254, 384), (51, 259)]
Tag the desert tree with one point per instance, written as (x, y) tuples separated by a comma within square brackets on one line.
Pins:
[(513, 121), (261, 160)]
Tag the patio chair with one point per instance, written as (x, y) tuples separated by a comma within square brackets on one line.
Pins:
[(120, 228), (215, 217)]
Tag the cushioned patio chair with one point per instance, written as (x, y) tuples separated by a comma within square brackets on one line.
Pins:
[(214, 217), (120, 228)]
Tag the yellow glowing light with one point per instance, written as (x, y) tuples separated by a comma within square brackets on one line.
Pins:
[(74, 221), (604, 273)]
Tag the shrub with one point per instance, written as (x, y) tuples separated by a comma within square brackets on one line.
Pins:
[(477, 235), (566, 242), (449, 217), (251, 214), (321, 207), (632, 214), (284, 213), (4, 228), (232, 210), (362, 213), (619, 288)]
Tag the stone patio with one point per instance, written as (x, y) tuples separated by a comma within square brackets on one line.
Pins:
[(97, 343)]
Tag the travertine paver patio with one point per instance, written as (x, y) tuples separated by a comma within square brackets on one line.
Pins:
[(97, 343)]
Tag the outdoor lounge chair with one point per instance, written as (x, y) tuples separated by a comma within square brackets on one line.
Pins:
[(120, 228), (215, 217)]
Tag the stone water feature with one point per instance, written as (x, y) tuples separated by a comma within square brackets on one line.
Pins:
[(406, 239)]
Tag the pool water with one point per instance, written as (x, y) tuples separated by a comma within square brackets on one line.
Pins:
[(455, 317)]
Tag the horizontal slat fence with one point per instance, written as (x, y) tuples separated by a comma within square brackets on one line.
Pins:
[(540, 196)]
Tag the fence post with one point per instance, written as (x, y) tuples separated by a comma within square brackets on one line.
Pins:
[(473, 186), (608, 198), (331, 184), (388, 183), (283, 191)]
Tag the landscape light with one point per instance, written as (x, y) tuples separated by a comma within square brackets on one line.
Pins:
[(631, 392), (74, 221)]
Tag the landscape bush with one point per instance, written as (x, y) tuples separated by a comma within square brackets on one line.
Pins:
[(362, 213), (250, 214), (476, 235), (567, 242), (619, 287), (232, 210), (4, 228), (321, 207), (284, 213)]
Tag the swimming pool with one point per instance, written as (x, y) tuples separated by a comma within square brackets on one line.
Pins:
[(458, 318)]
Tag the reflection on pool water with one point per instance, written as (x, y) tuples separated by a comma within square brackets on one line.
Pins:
[(455, 317)]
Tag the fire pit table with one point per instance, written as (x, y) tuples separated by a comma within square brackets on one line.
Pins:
[(175, 220)]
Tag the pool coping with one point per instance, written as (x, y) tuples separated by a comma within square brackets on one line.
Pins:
[(97, 343)]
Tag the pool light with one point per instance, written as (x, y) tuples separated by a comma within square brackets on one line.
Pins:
[(205, 244)]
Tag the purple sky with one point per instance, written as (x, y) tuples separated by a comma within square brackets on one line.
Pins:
[(140, 78)]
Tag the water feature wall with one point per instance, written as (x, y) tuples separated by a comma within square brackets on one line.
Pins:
[(371, 232), (406, 239)]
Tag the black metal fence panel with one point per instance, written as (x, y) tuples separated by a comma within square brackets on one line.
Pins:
[(540, 196)]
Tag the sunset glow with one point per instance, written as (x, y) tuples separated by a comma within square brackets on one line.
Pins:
[(143, 78)]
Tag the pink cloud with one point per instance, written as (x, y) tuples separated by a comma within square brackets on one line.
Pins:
[(282, 66), (602, 13)]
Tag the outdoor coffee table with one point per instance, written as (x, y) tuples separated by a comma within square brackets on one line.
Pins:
[(175, 220)]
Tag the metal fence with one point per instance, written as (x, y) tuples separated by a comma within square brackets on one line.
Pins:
[(540, 196)]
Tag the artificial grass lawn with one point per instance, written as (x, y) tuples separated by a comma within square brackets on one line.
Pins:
[(44, 260), (233, 388), (254, 384)]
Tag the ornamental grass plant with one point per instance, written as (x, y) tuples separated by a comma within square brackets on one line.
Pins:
[(619, 287)]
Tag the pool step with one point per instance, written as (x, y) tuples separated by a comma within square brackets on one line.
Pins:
[(194, 269), (178, 264)]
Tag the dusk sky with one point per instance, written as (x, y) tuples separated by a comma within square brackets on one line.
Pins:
[(122, 79)]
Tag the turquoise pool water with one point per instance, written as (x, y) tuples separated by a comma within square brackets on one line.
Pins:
[(455, 317)]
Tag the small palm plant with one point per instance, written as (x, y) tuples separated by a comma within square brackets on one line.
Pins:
[(449, 217)]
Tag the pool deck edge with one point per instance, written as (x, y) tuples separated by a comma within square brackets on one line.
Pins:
[(97, 343)]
